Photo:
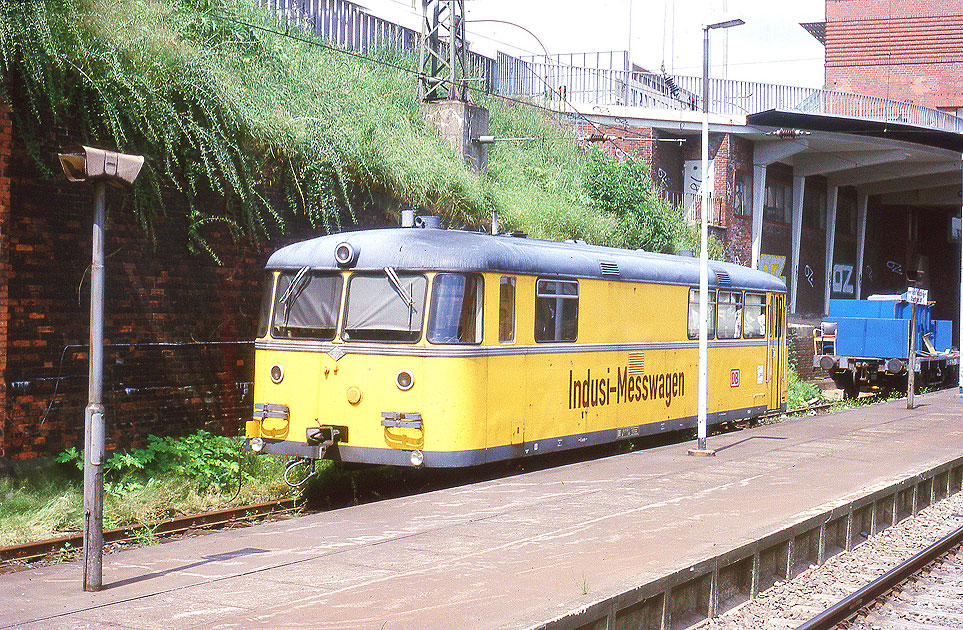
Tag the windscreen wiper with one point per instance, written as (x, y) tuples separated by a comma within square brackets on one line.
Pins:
[(290, 295), (395, 281)]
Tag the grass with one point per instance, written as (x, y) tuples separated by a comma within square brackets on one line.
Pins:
[(229, 112), (183, 479)]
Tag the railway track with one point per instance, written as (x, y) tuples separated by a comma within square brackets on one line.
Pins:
[(790, 603), (209, 520), (16, 555), (925, 591)]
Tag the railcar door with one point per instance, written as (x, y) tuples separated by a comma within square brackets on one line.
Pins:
[(776, 355)]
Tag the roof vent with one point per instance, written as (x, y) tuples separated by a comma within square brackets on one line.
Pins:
[(609, 268), (722, 278)]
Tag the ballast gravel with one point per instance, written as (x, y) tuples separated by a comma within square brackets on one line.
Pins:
[(788, 604)]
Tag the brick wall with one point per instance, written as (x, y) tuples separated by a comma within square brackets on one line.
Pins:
[(6, 141), (634, 142), (178, 327), (910, 50)]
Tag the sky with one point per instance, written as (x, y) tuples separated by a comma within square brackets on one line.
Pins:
[(771, 47)]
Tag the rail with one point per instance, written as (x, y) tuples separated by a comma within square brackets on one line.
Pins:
[(847, 607), (207, 520)]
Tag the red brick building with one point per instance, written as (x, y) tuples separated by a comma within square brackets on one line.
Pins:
[(907, 50)]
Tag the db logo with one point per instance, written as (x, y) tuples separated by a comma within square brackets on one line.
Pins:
[(734, 378)]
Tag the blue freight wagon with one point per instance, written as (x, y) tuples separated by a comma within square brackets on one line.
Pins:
[(864, 346)]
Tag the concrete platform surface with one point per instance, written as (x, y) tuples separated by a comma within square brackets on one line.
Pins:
[(508, 553)]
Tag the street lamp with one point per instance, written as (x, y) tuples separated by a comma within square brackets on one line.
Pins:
[(118, 169), (704, 253)]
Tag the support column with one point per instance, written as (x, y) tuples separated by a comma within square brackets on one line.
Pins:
[(764, 154), (758, 207), (862, 203), (960, 327), (798, 193), (832, 202)]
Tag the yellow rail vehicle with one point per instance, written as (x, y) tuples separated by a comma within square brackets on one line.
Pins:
[(444, 348)]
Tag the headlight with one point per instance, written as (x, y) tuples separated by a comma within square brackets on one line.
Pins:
[(345, 255), (417, 458), (404, 380), (277, 373), (257, 444)]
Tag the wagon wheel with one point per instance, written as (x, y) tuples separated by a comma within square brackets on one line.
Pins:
[(851, 388)]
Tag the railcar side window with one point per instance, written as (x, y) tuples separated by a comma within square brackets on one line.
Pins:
[(556, 310), (693, 325), (264, 318), (506, 310), (456, 309), (385, 307), (306, 305), (729, 314), (754, 322)]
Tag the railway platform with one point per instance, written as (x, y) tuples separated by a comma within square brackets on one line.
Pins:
[(650, 539)]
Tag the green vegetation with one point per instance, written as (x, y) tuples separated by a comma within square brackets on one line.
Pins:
[(251, 127), (167, 477), (799, 393)]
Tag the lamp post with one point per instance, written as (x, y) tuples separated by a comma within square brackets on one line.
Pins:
[(118, 169), (702, 448)]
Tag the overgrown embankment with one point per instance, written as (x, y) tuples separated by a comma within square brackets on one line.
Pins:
[(252, 125)]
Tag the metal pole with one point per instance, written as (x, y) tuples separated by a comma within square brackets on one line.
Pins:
[(704, 253), (628, 80), (959, 328), (94, 413), (911, 368)]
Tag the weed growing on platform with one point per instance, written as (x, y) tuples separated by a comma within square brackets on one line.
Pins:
[(166, 477), (800, 393)]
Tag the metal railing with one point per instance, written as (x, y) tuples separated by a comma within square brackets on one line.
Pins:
[(877, 108), (603, 78), (537, 77), (555, 78), (349, 25), (691, 205)]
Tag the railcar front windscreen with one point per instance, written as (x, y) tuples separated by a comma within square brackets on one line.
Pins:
[(306, 305), (385, 307)]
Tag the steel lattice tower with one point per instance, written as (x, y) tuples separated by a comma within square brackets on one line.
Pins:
[(443, 51)]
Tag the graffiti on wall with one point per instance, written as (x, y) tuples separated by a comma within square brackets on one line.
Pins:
[(774, 265), (844, 279)]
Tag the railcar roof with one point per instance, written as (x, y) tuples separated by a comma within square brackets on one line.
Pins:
[(452, 250)]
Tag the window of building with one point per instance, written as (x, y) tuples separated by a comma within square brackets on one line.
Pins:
[(729, 315), (742, 195), (385, 307), (306, 305), (693, 325), (556, 310), (778, 202), (456, 308), (846, 215), (506, 310), (814, 209), (754, 316)]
